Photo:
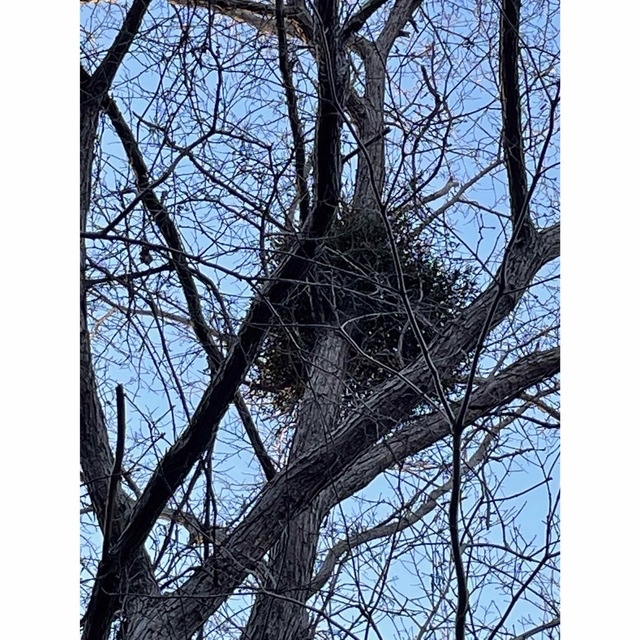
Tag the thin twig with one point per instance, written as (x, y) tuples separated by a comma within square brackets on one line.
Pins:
[(402, 522), (292, 109)]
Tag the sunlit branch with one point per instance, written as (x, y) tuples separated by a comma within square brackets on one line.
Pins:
[(259, 15), (542, 627)]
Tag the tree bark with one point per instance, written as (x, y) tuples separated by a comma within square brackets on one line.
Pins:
[(293, 490), (292, 558)]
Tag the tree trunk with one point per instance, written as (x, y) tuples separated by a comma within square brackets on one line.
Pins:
[(368, 113), (279, 612)]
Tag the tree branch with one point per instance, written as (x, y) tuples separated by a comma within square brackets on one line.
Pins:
[(357, 21), (260, 16), (103, 76), (402, 522), (180, 458), (423, 433), (512, 141), (424, 224), (166, 226), (399, 15), (523, 587), (295, 489), (542, 627), (178, 260), (292, 109), (115, 472)]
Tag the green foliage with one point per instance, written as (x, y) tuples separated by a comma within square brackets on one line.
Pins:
[(354, 285)]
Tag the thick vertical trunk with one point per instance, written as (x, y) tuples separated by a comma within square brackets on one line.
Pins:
[(88, 127), (95, 454), (368, 115), (279, 612)]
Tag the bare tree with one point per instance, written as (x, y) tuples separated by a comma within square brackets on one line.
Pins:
[(319, 359)]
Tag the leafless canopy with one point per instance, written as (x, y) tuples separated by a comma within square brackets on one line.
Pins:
[(319, 329)]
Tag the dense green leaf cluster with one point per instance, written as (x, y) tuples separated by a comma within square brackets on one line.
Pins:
[(354, 285)]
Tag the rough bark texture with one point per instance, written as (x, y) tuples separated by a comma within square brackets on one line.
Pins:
[(292, 558), (293, 490)]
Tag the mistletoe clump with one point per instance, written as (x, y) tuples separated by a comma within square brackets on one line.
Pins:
[(353, 285)]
